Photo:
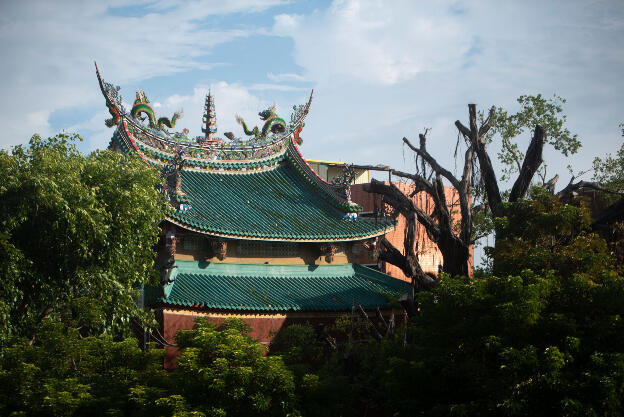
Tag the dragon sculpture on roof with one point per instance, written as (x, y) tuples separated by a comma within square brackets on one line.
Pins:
[(156, 144), (272, 124), (141, 105)]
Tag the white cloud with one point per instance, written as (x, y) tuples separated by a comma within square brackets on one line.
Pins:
[(386, 72), (374, 42), (48, 52), (379, 72), (285, 77), (275, 87)]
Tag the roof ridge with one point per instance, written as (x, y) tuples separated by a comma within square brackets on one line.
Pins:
[(328, 190)]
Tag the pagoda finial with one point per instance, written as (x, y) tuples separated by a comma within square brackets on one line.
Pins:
[(210, 119)]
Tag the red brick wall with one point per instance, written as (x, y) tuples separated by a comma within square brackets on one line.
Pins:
[(263, 327), (429, 255)]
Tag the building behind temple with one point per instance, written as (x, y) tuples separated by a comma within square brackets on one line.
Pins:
[(251, 230), (429, 256)]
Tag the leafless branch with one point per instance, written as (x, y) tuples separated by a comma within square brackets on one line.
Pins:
[(532, 161)]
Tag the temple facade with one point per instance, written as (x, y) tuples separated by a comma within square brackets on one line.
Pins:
[(251, 230)]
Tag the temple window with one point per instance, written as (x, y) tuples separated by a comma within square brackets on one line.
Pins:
[(259, 249)]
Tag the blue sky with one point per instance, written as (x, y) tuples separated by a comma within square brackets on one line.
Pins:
[(380, 70)]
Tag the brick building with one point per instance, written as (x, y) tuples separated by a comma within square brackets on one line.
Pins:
[(430, 257)]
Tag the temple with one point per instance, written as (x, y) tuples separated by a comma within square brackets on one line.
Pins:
[(251, 230)]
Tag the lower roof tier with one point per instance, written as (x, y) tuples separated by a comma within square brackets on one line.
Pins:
[(275, 204), (259, 287)]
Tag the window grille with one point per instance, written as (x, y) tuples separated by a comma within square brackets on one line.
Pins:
[(193, 243), (267, 249)]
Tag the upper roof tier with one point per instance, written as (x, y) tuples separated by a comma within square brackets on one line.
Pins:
[(259, 189)]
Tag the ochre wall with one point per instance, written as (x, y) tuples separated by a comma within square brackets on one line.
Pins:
[(307, 253), (429, 254), (329, 171)]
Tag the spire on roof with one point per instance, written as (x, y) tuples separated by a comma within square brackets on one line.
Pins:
[(210, 119)]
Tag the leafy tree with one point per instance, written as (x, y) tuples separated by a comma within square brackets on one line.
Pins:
[(223, 371), (345, 377), (64, 374), (76, 236), (543, 335), (534, 111), (610, 169)]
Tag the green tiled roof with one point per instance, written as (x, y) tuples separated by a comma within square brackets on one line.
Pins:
[(258, 287), (275, 204)]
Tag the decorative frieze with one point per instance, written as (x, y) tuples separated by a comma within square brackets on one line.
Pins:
[(328, 250), (219, 247)]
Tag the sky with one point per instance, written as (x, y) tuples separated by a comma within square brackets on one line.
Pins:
[(380, 70)]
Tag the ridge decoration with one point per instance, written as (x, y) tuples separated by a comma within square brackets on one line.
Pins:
[(156, 145), (141, 106), (273, 124)]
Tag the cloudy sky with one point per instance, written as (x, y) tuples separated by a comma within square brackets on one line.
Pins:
[(381, 70)]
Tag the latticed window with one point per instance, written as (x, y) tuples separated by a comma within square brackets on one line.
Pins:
[(194, 243), (267, 249)]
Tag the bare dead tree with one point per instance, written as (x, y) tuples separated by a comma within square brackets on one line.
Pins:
[(454, 244), (532, 160)]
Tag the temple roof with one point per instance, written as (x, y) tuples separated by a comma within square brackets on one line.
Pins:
[(259, 189), (275, 204), (253, 287)]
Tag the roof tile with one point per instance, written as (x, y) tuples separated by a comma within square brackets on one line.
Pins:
[(226, 286)]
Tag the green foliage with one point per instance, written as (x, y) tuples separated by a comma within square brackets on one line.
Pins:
[(76, 236), (543, 233), (544, 335), (534, 110), (223, 371), (609, 170), (530, 339), (64, 374)]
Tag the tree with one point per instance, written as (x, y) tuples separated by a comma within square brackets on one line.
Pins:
[(439, 225), (610, 169), (541, 336), (65, 374), (223, 371), (76, 236), (476, 193), (534, 111)]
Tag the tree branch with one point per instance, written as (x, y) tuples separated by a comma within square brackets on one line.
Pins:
[(419, 180), (532, 161), (422, 152), (550, 184), (462, 129), (570, 189), (374, 330), (486, 125), (404, 205), (487, 171)]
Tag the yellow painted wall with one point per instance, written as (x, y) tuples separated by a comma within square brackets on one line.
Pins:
[(307, 254), (330, 170)]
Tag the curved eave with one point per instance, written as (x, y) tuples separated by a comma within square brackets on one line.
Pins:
[(278, 288), (327, 190), (154, 156), (207, 232), (260, 152)]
